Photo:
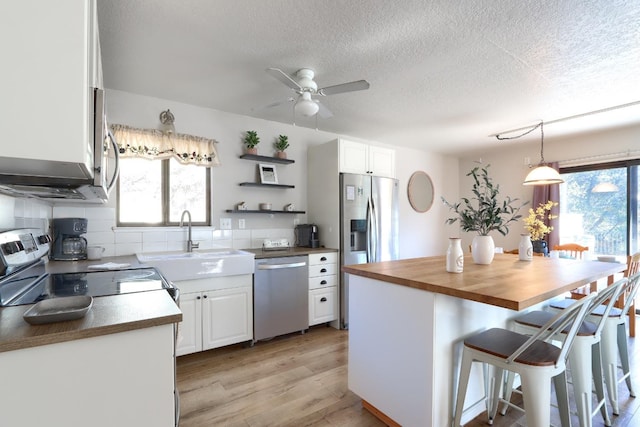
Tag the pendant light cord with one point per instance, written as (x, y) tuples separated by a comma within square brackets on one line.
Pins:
[(539, 125)]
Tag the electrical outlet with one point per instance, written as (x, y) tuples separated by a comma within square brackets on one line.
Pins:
[(241, 224), (225, 223)]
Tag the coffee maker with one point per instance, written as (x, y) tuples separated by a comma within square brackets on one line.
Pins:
[(68, 245), (307, 236)]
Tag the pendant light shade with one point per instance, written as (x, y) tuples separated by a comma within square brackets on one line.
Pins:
[(542, 174)]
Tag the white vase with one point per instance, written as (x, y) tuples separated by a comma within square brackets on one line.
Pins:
[(483, 249), (455, 256), (525, 248)]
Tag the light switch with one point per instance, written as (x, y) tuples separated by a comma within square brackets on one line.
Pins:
[(225, 223), (241, 224)]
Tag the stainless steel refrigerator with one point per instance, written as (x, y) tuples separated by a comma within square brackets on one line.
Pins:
[(368, 226)]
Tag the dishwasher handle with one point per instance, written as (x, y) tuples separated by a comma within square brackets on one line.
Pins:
[(278, 266)]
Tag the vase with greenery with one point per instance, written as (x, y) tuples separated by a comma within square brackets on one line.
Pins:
[(484, 213), (281, 144), (251, 140), (536, 226)]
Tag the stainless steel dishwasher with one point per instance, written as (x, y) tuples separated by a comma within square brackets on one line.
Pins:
[(280, 296)]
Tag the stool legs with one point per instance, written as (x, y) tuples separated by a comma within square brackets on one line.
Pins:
[(598, 379), (463, 382), (536, 393), (624, 356), (610, 362), (562, 395)]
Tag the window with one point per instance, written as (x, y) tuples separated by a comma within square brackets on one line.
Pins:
[(156, 192), (599, 208)]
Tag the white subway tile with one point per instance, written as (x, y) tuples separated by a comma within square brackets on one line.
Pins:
[(222, 235), (95, 225), (154, 236), (242, 243), (154, 246), (101, 213), (133, 237), (176, 246), (241, 234), (19, 208), (68, 212), (100, 238), (127, 248), (201, 234), (177, 236)]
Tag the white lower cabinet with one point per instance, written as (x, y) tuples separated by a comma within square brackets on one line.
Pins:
[(219, 313), (323, 289)]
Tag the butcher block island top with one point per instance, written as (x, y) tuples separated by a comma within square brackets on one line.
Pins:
[(507, 282)]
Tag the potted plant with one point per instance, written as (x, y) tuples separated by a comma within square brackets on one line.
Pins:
[(281, 144), (484, 213), (251, 140), (537, 228)]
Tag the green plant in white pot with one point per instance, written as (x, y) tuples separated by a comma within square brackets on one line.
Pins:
[(484, 213)]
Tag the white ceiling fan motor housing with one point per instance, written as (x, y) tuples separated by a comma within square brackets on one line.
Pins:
[(305, 80)]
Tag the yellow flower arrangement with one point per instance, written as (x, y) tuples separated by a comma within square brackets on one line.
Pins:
[(534, 223)]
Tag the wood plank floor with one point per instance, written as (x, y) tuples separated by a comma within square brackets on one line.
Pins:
[(301, 380)]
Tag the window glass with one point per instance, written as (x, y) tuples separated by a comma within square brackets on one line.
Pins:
[(140, 191), (594, 210), (156, 192)]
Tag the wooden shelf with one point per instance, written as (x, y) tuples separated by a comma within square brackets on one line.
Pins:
[(266, 159), (236, 211), (259, 184)]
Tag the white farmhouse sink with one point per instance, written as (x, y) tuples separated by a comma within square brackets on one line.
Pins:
[(176, 266)]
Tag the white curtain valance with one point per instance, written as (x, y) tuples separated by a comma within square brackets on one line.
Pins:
[(154, 144)]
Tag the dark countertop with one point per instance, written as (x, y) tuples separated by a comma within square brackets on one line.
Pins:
[(295, 251)]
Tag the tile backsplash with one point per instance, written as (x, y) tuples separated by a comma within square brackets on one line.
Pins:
[(17, 212), (102, 231)]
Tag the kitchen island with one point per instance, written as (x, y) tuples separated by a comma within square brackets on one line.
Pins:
[(409, 318)]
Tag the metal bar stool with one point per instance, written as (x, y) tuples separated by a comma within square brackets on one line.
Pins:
[(585, 355), (532, 357), (614, 338)]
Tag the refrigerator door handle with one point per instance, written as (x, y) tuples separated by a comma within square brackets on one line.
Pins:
[(369, 231), (373, 232)]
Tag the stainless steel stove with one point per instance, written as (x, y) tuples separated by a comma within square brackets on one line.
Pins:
[(24, 280)]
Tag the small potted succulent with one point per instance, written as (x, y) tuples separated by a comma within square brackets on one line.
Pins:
[(281, 144), (251, 140)]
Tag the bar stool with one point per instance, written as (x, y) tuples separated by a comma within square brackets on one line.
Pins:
[(614, 335), (532, 357), (585, 355)]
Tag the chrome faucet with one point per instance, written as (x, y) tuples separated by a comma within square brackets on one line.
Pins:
[(190, 244)]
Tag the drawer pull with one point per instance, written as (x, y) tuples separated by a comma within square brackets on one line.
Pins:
[(197, 297), (323, 299), (204, 296), (324, 258), (323, 282), (323, 270)]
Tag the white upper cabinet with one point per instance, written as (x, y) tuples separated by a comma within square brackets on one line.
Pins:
[(51, 61), (356, 157)]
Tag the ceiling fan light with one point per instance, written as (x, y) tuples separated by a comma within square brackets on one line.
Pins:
[(305, 105), (543, 175)]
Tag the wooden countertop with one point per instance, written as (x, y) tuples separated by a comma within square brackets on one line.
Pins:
[(295, 251), (507, 282), (108, 315)]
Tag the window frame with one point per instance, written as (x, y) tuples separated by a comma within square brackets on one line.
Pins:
[(165, 175), (632, 190)]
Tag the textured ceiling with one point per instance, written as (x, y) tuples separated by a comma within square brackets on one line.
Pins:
[(444, 74)]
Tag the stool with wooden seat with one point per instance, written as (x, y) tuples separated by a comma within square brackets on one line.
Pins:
[(534, 358), (614, 340), (585, 355)]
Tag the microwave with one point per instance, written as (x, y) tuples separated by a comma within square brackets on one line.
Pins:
[(61, 181)]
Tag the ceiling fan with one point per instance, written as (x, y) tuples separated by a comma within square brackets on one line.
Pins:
[(302, 83)]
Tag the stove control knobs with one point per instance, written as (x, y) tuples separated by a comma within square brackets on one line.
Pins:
[(44, 239), (12, 247)]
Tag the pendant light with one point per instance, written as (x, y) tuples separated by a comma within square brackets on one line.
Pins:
[(542, 174)]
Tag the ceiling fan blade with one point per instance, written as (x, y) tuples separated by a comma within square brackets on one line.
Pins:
[(284, 78), (273, 104), (323, 112), (344, 87)]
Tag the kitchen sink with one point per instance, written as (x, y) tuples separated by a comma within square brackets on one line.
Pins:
[(180, 265)]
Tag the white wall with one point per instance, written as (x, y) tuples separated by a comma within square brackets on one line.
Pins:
[(421, 234), (509, 170)]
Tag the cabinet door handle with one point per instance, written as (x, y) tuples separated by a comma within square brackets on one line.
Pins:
[(204, 296), (323, 299), (324, 258), (197, 297), (323, 282), (323, 270)]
